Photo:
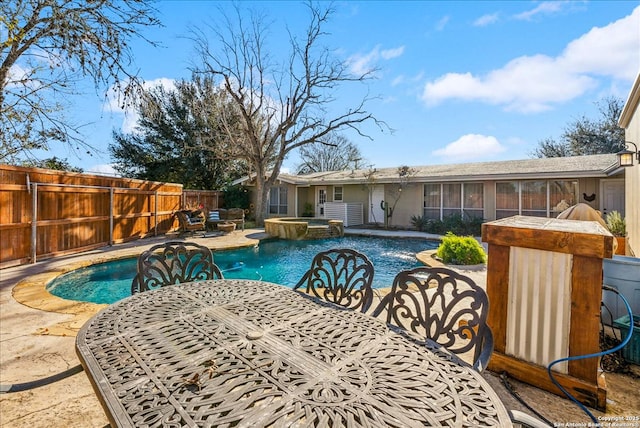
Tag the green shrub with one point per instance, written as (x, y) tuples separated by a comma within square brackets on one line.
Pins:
[(308, 210), (461, 250), (420, 223), (454, 223)]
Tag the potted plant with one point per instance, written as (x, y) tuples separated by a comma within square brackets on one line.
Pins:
[(308, 210), (618, 228)]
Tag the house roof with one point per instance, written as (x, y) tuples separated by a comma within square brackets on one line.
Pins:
[(563, 167)]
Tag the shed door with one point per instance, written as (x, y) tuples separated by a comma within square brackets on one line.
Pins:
[(376, 196), (321, 198), (612, 192)]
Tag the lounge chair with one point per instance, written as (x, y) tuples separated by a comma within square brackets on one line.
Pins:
[(222, 215), (190, 223)]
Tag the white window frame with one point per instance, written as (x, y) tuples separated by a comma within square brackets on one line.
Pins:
[(281, 207), (336, 193), (459, 209), (548, 210)]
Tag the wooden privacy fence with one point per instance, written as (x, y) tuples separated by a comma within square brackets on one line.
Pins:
[(44, 213)]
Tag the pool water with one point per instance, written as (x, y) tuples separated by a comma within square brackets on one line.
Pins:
[(280, 261)]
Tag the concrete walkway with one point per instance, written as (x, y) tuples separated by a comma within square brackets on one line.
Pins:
[(37, 339)]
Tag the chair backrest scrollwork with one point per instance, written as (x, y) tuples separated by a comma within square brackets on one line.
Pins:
[(173, 263), (340, 276), (444, 306)]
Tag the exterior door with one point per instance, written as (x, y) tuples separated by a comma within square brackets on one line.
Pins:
[(321, 198), (376, 196), (612, 199)]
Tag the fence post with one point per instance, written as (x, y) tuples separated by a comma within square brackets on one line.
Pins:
[(110, 215), (34, 221), (155, 214)]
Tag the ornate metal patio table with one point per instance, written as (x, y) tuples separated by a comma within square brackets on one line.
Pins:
[(250, 353)]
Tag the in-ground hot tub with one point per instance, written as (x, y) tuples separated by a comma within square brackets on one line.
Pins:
[(303, 228)]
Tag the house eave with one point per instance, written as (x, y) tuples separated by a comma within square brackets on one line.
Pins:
[(476, 178), (632, 102), (593, 166)]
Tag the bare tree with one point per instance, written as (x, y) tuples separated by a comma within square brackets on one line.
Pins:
[(336, 153), (283, 106), (47, 46)]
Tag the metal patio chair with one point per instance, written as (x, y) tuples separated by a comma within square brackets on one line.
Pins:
[(174, 262), (340, 276), (444, 306)]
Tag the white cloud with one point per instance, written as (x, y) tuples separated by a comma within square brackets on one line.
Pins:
[(19, 75), (469, 146), (485, 20), (363, 64), (130, 121), (442, 23), (39, 69), (106, 169), (398, 80), (130, 115), (392, 53), (613, 50), (536, 83), (544, 8), (367, 63), (114, 98)]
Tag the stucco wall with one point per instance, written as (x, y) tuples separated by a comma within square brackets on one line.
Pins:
[(305, 195), (409, 203), (632, 190), (357, 193), (630, 121), (489, 200)]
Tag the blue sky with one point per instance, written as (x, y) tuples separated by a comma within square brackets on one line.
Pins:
[(457, 81)]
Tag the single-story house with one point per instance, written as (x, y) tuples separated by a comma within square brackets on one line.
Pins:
[(630, 121), (490, 190)]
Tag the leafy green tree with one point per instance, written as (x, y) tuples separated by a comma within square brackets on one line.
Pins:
[(283, 105), (586, 136), (53, 163), (236, 197), (179, 137), (46, 47), (335, 153)]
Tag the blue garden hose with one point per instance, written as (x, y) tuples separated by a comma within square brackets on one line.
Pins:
[(598, 354)]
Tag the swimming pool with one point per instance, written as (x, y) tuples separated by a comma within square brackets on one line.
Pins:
[(280, 261)]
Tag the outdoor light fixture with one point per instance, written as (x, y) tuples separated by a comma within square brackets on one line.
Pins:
[(625, 157)]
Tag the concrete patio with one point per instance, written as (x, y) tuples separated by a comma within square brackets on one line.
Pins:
[(37, 339)]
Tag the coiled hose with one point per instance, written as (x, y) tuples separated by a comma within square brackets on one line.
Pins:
[(597, 354)]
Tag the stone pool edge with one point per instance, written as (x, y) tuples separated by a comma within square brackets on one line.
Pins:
[(32, 291)]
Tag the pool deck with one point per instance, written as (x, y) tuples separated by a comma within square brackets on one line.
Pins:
[(37, 339)]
